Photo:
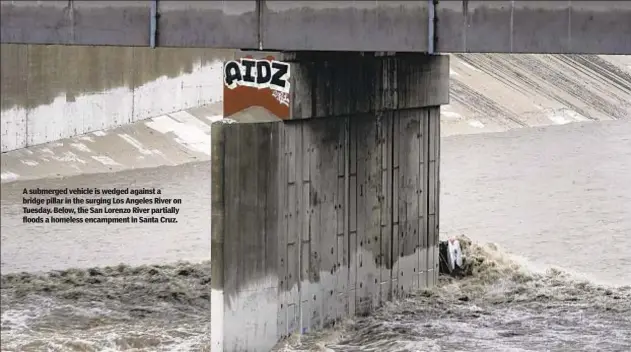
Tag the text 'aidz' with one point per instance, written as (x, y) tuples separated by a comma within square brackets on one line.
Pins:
[(258, 74)]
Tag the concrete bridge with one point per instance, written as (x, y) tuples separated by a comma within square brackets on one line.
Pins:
[(330, 207), (598, 27)]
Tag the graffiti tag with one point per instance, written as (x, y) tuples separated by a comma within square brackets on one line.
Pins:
[(259, 74)]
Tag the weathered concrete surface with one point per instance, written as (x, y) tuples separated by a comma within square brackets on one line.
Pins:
[(245, 228), (499, 92), (318, 219), (500, 26), (345, 25), (335, 84), (210, 24), (570, 27), (55, 92)]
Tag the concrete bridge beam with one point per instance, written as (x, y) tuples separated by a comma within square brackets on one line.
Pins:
[(498, 26), (331, 209)]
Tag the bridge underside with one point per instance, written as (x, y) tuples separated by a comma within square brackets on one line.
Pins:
[(596, 27)]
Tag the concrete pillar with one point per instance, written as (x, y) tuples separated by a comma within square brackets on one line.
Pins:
[(334, 210)]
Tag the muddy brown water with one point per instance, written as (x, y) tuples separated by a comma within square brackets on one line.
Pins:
[(559, 197)]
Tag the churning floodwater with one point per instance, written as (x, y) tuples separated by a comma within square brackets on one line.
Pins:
[(560, 197)]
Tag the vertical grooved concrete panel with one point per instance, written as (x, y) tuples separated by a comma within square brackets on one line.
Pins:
[(249, 242), (323, 218), (218, 220), (434, 189), (408, 135), (384, 260), (424, 257), (369, 203)]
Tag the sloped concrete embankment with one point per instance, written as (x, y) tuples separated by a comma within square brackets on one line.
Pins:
[(500, 92), (489, 93), (170, 139)]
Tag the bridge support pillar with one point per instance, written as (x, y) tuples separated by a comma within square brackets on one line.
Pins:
[(334, 210)]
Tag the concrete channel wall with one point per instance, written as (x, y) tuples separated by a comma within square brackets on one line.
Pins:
[(55, 92), (489, 93)]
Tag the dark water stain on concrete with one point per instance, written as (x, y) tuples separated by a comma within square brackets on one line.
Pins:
[(34, 75)]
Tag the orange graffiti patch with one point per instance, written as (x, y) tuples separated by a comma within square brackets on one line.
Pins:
[(250, 82)]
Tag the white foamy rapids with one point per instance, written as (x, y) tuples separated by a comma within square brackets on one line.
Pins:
[(502, 305), (123, 308)]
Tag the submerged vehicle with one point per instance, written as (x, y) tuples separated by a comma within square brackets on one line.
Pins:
[(452, 262)]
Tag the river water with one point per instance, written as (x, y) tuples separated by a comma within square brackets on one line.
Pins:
[(559, 197)]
